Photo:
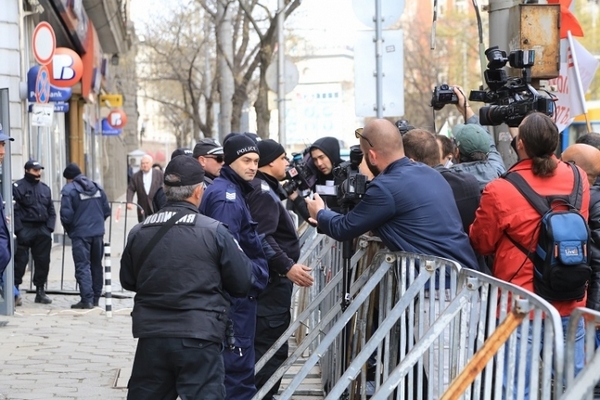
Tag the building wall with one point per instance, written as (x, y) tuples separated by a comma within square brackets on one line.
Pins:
[(10, 76)]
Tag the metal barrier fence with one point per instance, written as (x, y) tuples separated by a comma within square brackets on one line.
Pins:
[(117, 227), (403, 340), (582, 386)]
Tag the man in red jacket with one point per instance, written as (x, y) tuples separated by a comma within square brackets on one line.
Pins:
[(504, 212)]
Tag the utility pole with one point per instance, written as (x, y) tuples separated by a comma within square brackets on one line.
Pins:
[(379, 58), (225, 53), (281, 72)]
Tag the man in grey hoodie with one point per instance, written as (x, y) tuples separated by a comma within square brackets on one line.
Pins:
[(83, 209)]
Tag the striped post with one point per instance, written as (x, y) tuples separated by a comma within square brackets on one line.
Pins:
[(107, 281)]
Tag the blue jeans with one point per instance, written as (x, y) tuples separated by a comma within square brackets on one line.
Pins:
[(578, 362), (87, 256)]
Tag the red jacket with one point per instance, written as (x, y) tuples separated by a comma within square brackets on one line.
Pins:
[(504, 209)]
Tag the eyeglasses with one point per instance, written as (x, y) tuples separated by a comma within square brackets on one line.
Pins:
[(218, 159), (358, 135)]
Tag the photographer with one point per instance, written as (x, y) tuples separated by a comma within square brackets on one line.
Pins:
[(273, 313), (401, 205), (476, 151)]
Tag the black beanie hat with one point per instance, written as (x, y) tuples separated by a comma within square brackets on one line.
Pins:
[(236, 145), (71, 171), (270, 150)]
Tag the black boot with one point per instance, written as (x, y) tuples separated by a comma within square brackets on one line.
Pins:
[(41, 297)]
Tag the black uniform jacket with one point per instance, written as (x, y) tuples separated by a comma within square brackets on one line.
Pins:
[(183, 287), (275, 223), (33, 203), (593, 295)]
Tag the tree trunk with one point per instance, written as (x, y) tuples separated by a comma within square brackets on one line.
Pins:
[(263, 114)]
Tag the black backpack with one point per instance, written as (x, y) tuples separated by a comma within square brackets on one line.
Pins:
[(561, 258)]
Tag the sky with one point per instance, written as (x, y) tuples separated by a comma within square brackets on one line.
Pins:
[(334, 23)]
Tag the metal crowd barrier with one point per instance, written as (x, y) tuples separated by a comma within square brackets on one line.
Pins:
[(117, 227), (582, 386), (407, 334)]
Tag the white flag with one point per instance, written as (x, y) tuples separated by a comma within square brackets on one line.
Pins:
[(581, 68), (575, 78)]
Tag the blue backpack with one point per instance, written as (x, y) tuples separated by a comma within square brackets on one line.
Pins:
[(561, 257)]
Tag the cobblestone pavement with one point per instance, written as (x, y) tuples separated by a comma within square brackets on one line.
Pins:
[(54, 352)]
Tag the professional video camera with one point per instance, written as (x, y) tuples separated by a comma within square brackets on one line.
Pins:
[(301, 173), (349, 185), (443, 95), (512, 98)]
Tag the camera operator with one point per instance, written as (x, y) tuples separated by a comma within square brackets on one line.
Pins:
[(476, 151), (401, 205), (274, 221)]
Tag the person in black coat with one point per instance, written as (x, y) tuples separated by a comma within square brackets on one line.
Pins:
[(184, 278), (35, 218), (275, 223)]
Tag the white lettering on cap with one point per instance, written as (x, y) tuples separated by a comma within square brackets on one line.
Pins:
[(247, 150)]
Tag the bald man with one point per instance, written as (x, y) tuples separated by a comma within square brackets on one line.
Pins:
[(144, 184), (401, 204), (587, 158)]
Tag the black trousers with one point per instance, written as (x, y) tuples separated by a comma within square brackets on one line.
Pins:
[(268, 330), (39, 239), (165, 368)]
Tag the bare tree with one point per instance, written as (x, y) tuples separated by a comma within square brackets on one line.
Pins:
[(253, 37), (173, 71), (454, 61)]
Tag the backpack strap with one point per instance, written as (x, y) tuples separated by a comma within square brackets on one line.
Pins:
[(576, 196), (538, 202)]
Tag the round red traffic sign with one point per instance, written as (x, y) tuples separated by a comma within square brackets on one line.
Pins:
[(42, 85), (44, 43)]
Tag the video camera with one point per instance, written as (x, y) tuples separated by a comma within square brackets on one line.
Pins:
[(349, 185), (511, 98), (301, 173), (443, 95)]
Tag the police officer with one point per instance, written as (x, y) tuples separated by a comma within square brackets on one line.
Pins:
[(209, 154), (225, 201), (35, 218), (4, 234), (183, 275), (274, 221)]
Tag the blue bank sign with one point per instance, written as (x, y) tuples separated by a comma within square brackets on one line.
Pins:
[(56, 93), (108, 130)]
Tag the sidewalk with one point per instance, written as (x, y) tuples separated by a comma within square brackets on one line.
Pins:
[(53, 352)]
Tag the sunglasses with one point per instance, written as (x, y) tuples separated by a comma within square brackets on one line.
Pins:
[(358, 135), (218, 159)]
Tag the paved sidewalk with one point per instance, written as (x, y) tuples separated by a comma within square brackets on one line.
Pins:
[(53, 352)]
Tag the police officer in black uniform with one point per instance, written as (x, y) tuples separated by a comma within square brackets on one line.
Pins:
[(34, 223), (183, 276), (274, 221)]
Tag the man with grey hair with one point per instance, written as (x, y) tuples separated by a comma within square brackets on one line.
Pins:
[(184, 267), (144, 184)]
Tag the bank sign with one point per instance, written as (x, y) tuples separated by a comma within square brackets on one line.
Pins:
[(56, 93)]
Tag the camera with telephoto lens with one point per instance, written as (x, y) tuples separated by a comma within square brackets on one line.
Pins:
[(300, 174), (443, 95), (349, 185), (512, 98)]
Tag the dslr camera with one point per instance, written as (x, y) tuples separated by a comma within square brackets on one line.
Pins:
[(349, 185), (300, 174), (511, 98), (443, 95), (403, 126)]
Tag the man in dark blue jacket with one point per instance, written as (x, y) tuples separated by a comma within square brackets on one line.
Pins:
[(402, 204), (225, 201), (83, 209)]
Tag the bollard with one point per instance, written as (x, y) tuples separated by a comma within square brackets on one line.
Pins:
[(107, 281)]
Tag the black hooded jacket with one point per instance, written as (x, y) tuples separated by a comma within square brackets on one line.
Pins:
[(330, 146)]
